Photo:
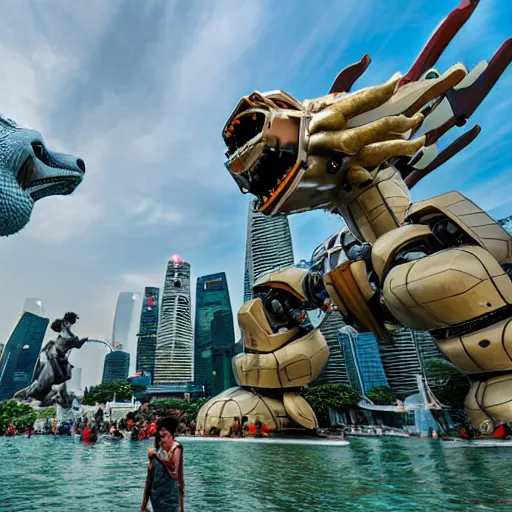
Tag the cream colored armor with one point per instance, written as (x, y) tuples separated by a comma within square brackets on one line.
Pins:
[(441, 264)]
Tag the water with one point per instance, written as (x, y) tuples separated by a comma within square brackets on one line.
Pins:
[(45, 473)]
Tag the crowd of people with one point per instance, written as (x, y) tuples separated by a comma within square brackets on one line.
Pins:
[(241, 427)]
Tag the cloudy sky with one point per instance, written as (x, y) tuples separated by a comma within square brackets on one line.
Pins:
[(140, 91)]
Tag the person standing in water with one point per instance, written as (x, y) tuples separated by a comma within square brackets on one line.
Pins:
[(165, 484)]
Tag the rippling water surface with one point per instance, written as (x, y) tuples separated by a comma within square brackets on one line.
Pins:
[(47, 474)]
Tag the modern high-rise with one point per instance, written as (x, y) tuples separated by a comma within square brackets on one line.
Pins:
[(34, 306), (335, 372), (124, 333), (362, 359), (20, 354), (213, 334), (268, 246), (174, 354), (405, 359), (115, 368), (148, 329), (75, 383)]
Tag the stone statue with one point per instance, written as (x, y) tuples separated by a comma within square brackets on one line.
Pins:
[(29, 171), (53, 369)]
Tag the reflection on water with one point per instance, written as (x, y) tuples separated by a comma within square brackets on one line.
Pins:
[(44, 473)]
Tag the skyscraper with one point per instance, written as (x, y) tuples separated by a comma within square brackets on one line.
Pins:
[(268, 246), (362, 359), (404, 359), (125, 324), (335, 371), (115, 368), (20, 354), (174, 355), (214, 335), (75, 383), (148, 330)]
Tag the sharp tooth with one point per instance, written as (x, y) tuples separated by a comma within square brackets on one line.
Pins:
[(278, 181), (265, 199)]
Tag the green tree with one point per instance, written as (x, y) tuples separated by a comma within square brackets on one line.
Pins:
[(172, 407), (336, 396), (102, 393), (19, 414), (50, 412), (449, 385), (382, 395)]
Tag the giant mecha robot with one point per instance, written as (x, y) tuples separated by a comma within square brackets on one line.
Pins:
[(441, 265)]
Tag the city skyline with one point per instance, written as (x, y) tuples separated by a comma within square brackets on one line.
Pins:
[(170, 192)]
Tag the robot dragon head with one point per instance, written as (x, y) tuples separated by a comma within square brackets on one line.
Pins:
[(29, 172), (321, 153)]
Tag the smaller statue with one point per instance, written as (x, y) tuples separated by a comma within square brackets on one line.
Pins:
[(53, 369)]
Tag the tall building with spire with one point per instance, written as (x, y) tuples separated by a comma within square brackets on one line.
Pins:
[(174, 353), (268, 246), (214, 335), (148, 329)]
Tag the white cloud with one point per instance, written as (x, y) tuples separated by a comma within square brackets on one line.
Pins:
[(56, 220), (138, 281)]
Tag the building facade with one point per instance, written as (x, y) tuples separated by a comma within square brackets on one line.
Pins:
[(362, 359), (20, 355), (335, 372), (174, 353), (214, 335), (405, 359), (116, 366), (75, 383), (268, 246), (148, 330), (124, 332)]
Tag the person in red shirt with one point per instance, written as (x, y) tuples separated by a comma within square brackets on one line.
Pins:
[(152, 429), (86, 434)]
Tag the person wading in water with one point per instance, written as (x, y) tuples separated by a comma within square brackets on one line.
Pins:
[(165, 485)]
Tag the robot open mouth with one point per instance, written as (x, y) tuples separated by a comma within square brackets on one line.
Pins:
[(263, 147)]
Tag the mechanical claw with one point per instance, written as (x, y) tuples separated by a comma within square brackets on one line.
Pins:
[(348, 76), (463, 101), (439, 41), (455, 147)]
